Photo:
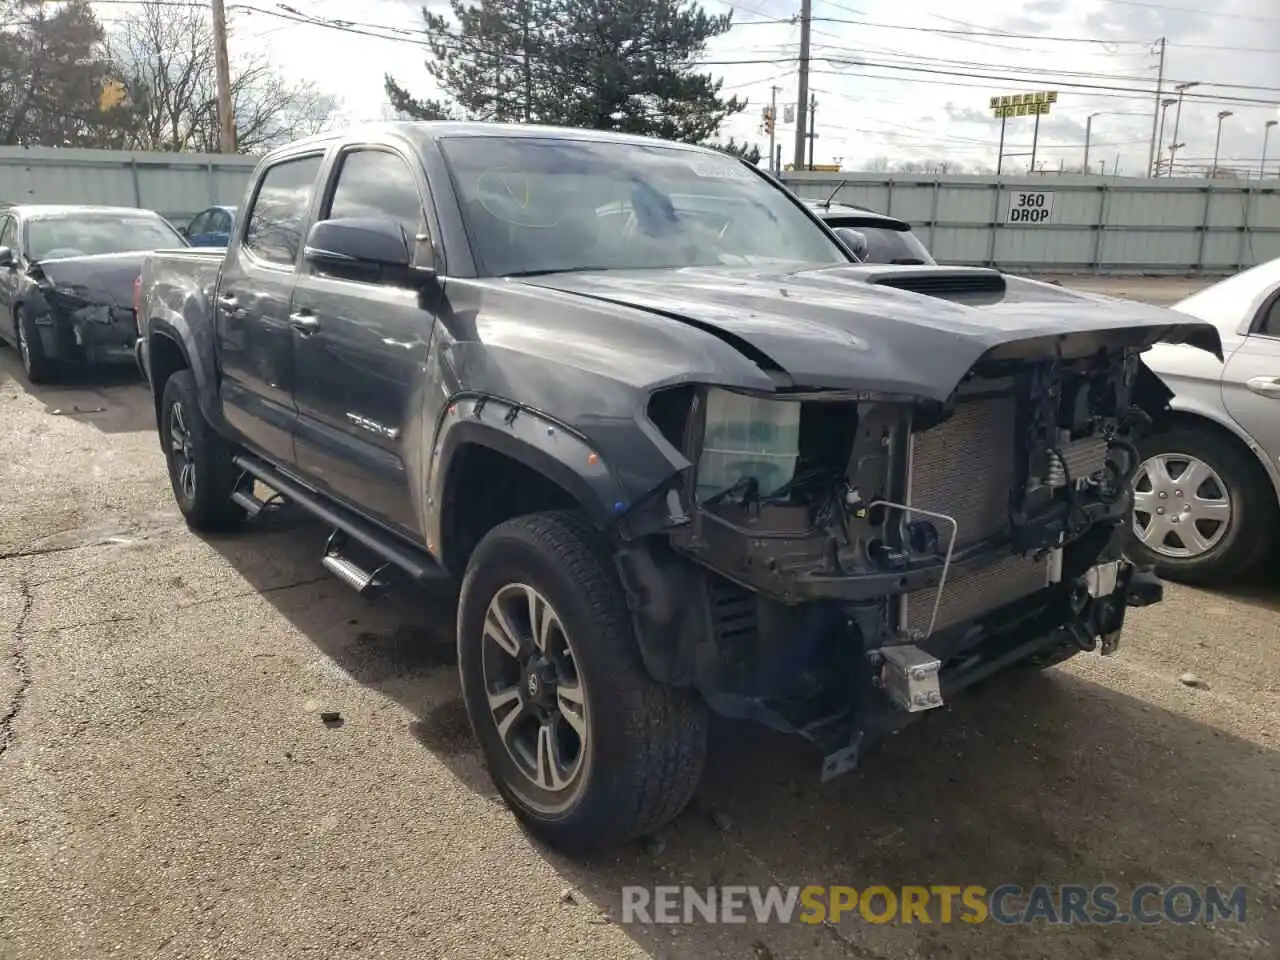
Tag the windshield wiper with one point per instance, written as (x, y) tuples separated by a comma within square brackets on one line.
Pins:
[(545, 272)]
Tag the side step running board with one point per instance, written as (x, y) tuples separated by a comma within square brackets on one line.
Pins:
[(416, 564)]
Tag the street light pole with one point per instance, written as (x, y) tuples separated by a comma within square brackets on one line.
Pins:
[(1266, 135), (1088, 130), (1213, 171), (1180, 88), (1165, 104)]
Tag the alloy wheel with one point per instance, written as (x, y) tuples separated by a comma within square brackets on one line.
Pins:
[(1181, 507), (536, 696), (183, 451)]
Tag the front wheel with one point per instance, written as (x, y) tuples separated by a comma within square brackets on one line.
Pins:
[(37, 367), (584, 746), (1204, 511)]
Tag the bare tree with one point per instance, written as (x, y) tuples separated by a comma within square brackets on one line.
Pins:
[(164, 56)]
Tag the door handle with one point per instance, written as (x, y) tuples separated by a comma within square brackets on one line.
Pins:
[(1265, 386), (304, 322)]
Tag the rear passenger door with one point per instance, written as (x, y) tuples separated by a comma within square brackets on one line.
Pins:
[(360, 359), (255, 339)]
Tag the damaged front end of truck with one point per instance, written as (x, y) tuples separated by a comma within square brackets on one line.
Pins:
[(832, 562)]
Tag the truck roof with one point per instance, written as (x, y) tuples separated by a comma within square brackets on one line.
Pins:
[(418, 132)]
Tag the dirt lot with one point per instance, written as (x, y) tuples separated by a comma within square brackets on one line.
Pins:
[(168, 790)]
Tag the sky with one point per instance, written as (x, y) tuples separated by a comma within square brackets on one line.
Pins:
[(902, 80)]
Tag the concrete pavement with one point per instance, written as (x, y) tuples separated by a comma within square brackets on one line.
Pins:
[(167, 788)]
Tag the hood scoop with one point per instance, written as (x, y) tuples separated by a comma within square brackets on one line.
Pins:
[(963, 284)]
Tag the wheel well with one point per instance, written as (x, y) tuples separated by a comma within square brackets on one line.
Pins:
[(485, 488), (165, 358), (1194, 421)]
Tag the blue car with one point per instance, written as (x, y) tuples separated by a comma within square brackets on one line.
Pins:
[(210, 227)]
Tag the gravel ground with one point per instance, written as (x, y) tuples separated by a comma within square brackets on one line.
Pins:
[(167, 788)]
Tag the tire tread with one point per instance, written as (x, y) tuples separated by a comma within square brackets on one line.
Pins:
[(665, 726)]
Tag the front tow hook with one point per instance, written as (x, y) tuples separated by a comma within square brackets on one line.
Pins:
[(1144, 588)]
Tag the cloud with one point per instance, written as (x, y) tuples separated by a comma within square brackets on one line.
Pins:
[(897, 87)]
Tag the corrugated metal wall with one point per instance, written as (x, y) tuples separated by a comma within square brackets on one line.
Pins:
[(175, 185), (1098, 224)]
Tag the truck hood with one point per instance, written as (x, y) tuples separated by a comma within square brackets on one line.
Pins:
[(104, 280), (846, 328)]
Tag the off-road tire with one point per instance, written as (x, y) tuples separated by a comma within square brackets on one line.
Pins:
[(37, 368), (647, 741), (1251, 529), (211, 508)]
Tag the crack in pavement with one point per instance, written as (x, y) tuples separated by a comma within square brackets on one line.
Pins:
[(323, 578), (21, 668), (41, 551)]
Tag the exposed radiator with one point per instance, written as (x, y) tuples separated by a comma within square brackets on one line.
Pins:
[(964, 598), (965, 468)]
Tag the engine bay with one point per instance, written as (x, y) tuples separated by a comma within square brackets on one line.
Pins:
[(824, 495)]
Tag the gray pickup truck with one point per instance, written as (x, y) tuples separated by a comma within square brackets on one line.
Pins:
[(680, 451)]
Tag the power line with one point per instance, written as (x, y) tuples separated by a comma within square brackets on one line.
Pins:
[(1201, 12)]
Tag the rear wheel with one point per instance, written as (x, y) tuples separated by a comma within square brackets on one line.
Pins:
[(37, 367), (1204, 511), (585, 747), (201, 470)]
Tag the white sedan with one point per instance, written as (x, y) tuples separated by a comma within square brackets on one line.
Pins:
[(1207, 495)]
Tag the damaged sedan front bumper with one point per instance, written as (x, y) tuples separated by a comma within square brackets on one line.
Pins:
[(96, 334)]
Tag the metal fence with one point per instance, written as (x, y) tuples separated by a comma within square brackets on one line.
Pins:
[(1073, 224), (1064, 223), (175, 185)]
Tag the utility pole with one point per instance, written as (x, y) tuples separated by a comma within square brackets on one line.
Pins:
[(802, 95), (773, 128), (813, 112), (1155, 114), (222, 66)]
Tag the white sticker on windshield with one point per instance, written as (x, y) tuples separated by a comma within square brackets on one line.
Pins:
[(723, 171)]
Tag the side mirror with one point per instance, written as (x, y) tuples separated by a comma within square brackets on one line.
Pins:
[(357, 242), (6, 257), (184, 232), (855, 240)]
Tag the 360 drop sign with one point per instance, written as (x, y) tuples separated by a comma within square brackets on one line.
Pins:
[(1030, 207)]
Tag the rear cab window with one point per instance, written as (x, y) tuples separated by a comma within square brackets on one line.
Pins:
[(274, 229)]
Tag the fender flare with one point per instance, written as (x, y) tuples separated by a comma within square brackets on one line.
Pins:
[(206, 386), (528, 436)]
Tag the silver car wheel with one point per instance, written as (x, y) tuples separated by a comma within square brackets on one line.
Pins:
[(1181, 507), (537, 699)]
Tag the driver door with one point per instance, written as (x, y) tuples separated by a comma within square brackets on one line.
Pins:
[(360, 347)]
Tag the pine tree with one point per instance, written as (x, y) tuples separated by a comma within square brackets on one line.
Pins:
[(627, 65)]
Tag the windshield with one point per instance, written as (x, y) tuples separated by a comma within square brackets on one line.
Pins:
[(49, 238), (885, 244), (536, 205)]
